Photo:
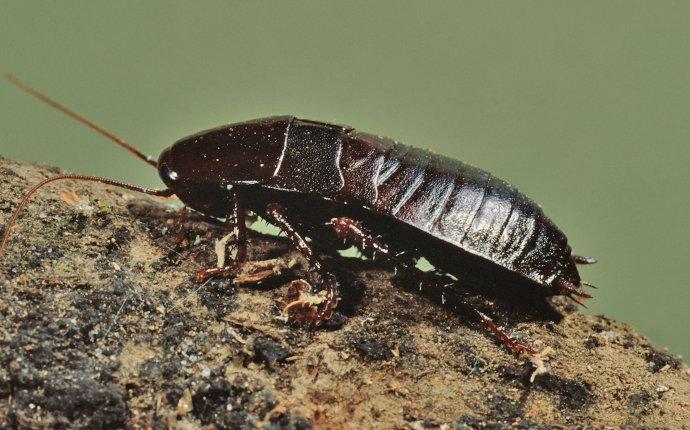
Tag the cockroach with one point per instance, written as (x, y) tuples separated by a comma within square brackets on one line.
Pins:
[(335, 184)]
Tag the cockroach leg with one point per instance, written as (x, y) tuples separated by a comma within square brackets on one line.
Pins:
[(181, 235), (277, 215), (217, 272), (299, 304), (239, 216), (514, 345), (351, 231), (580, 259), (240, 228), (510, 342), (258, 272)]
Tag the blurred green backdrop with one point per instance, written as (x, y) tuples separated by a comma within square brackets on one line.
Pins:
[(584, 105)]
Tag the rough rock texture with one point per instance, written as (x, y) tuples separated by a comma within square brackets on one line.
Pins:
[(102, 325)]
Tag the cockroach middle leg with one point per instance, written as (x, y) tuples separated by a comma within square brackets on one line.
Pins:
[(277, 215), (351, 231), (239, 217)]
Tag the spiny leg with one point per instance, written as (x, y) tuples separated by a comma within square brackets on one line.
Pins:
[(351, 231), (181, 235), (277, 215), (239, 214)]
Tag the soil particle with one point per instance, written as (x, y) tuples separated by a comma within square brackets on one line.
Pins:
[(289, 421), (659, 360), (239, 404), (102, 326), (503, 408), (269, 351), (373, 350), (574, 394), (641, 399)]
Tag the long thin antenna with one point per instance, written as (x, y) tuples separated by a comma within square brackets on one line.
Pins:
[(13, 79), (25, 199)]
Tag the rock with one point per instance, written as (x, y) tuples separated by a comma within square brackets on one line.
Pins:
[(102, 325)]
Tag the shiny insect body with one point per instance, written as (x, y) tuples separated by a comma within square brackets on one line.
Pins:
[(337, 185)]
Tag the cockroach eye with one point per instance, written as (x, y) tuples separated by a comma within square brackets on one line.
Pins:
[(169, 174)]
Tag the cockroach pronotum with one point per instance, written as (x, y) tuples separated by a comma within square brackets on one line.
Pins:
[(335, 184)]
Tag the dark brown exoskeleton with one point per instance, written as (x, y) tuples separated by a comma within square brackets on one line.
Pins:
[(327, 181)]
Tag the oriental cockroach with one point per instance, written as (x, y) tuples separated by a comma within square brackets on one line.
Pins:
[(335, 185)]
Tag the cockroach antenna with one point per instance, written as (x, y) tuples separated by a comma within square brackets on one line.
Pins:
[(87, 122), (94, 126), (25, 199)]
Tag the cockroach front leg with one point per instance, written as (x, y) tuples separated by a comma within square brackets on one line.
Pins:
[(181, 234), (240, 232), (352, 232), (316, 314)]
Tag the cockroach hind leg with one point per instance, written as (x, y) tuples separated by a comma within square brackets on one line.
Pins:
[(351, 230), (581, 259), (507, 340)]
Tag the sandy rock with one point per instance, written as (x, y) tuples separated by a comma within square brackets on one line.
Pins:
[(102, 325)]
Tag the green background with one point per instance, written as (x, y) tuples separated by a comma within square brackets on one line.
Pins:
[(584, 105)]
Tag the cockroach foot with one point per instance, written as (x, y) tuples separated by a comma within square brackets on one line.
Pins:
[(300, 305), (256, 272), (250, 272)]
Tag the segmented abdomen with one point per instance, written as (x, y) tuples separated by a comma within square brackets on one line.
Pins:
[(471, 209)]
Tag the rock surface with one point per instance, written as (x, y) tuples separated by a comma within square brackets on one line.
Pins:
[(103, 326)]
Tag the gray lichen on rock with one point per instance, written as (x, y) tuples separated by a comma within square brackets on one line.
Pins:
[(103, 326)]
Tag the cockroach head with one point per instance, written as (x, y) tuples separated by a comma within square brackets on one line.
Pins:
[(237, 154)]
